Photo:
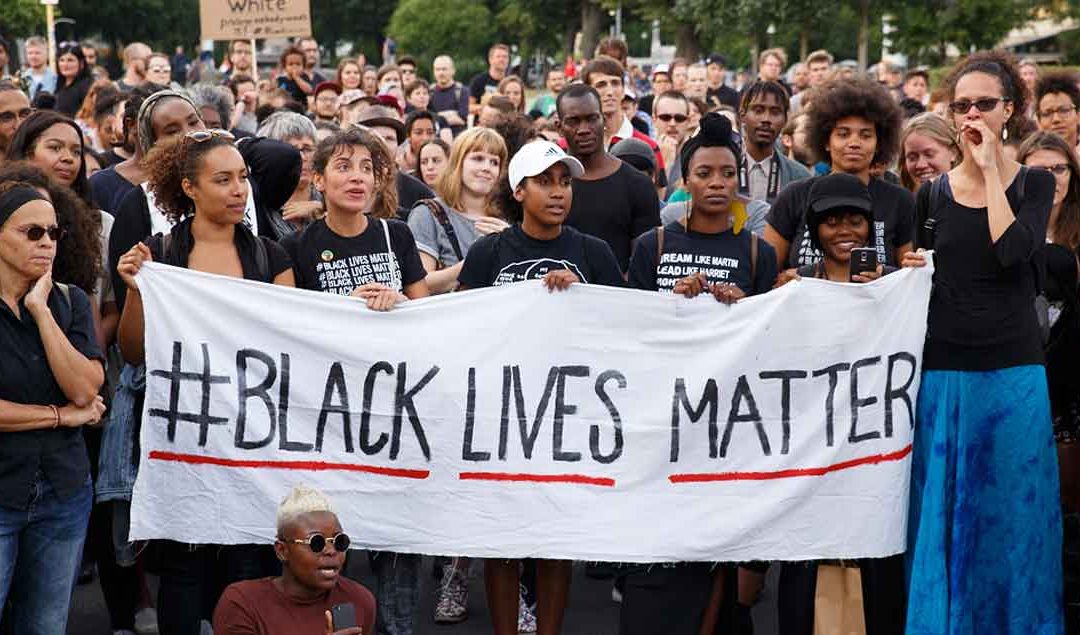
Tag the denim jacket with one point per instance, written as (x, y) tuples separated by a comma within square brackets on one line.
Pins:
[(117, 465)]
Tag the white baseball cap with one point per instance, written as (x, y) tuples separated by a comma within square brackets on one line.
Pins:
[(535, 157)]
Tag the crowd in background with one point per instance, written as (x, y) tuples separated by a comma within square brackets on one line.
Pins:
[(613, 174)]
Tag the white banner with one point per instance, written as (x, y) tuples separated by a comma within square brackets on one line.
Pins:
[(592, 424)]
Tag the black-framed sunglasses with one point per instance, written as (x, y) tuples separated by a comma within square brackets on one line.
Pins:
[(666, 117), (202, 136), (984, 104), (317, 542), (35, 233), (9, 116)]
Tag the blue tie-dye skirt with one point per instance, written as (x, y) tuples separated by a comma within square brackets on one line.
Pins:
[(984, 548)]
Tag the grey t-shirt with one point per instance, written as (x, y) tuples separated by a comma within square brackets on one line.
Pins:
[(431, 237), (756, 211)]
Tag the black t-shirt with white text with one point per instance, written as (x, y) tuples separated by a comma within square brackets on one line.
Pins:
[(513, 256), (325, 261), (723, 257), (481, 85), (894, 220)]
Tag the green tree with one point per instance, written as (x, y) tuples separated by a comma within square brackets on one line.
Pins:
[(427, 28), (335, 22), (21, 18)]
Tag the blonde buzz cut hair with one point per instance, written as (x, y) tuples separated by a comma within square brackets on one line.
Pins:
[(302, 500)]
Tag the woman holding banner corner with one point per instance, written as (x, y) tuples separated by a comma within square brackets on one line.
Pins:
[(985, 522)]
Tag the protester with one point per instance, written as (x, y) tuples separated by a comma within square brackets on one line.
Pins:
[(765, 171), (1051, 152), (325, 102), (1029, 73), (612, 201), (310, 48), (446, 227), (99, 117), (214, 103), (818, 64), (135, 56), (852, 124), (660, 83), (928, 148), (718, 92), (433, 158), (304, 204), (513, 89), (51, 376), (697, 83), (983, 395), (14, 109), (449, 99), (671, 114), (554, 82), (311, 546), (488, 82), (408, 69), (245, 102), (293, 79), (771, 64), (73, 80), (605, 75), (349, 74), (241, 60), (39, 75), (678, 68), (420, 127), (111, 184), (1056, 103), (5, 59), (369, 82), (917, 86), (495, 110)]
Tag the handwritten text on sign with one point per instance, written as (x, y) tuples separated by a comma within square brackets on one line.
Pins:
[(254, 19), (596, 424)]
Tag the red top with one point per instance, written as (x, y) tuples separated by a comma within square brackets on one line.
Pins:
[(260, 607)]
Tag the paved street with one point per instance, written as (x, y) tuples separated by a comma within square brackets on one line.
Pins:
[(591, 610)]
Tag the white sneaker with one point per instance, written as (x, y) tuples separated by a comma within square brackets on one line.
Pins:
[(146, 621)]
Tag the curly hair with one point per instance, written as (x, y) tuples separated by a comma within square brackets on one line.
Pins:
[(172, 161), (78, 256), (1066, 228), (89, 105), (1003, 66), (383, 164), (24, 142), (1064, 83), (862, 98)]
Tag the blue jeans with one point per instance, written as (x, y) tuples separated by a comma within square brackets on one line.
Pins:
[(397, 591), (40, 552)]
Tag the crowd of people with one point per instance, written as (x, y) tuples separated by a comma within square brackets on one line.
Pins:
[(610, 176)]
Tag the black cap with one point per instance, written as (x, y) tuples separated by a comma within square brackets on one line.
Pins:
[(837, 192), (716, 58)]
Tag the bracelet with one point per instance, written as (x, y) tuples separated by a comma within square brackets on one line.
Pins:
[(56, 417)]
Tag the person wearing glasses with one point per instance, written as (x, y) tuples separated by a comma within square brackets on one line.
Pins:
[(984, 532), (1057, 105), (14, 109), (304, 204), (670, 114), (311, 546), (50, 374), (200, 181)]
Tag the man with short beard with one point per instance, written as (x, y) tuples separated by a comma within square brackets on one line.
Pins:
[(612, 200), (765, 171), (241, 61), (14, 109)]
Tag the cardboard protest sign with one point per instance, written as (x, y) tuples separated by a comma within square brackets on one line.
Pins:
[(591, 424), (254, 19)]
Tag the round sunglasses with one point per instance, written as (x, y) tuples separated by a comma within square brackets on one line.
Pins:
[(317, 542)]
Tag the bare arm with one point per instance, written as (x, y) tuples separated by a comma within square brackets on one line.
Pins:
[(130, 333), (439, 280), (779, 243), (17, 417), (78, 376)]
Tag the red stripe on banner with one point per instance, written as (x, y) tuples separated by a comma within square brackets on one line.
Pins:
[(792, 473), (193, 459), (506, 477)]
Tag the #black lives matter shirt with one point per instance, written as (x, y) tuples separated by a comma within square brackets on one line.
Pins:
[(514, 256), (894, 220), (723, 257), (385, 253)]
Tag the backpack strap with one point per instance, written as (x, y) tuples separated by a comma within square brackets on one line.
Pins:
[(65, 291), (262, 260), (393, 256), (444, 219), (659, 244), (754, 250)]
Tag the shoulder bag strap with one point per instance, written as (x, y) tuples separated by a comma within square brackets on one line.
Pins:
[(444, 219), (753, 257), (393, 256)]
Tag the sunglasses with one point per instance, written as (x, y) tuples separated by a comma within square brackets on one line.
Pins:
[(35, 233), (202, 136), (317, 542), (9, 116), (985, 104), (666, 118)]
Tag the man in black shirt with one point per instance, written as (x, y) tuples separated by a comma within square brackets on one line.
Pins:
[(488, 82), (719, 93), (612, 200), (449, 99)]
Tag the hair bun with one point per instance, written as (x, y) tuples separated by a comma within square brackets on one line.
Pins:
[(715, 129)]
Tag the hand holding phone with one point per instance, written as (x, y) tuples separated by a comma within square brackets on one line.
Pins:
[(863, 260), (341, 620)]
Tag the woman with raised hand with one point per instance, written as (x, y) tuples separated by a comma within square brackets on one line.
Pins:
[(984, 541), (50, 374), (446, 227), (200, 181), (537, 246)]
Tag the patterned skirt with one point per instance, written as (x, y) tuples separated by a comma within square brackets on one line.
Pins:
[(984, 547)]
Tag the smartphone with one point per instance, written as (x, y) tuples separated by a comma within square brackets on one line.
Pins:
[(344, 616), (863, 259)]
